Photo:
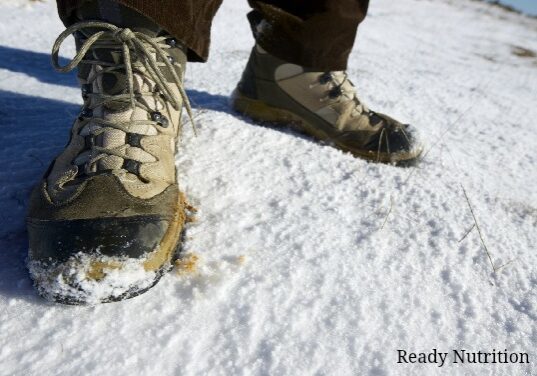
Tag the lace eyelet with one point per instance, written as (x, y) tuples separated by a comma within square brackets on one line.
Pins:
[(86, 89), (131, 166), (172, 42), (325, 78), (89, 142), (134, 140), (160, 119), (85, 113), (335, 93)]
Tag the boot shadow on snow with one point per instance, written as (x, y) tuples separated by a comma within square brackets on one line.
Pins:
[(35, 130), (35, 64), (38, 65)]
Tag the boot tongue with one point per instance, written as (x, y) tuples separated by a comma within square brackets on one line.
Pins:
[(115, 83), (123, 17)]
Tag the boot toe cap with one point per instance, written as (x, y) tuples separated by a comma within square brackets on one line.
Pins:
[(91, 261), (397, 144)]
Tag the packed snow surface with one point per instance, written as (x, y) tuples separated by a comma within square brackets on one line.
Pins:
[(304, 260)]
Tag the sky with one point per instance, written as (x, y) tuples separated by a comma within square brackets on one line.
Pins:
[(527, 6)]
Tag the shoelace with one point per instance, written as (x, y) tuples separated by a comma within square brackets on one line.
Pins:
[(352, 106), (143, 47)]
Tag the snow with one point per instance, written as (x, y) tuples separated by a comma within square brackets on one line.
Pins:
[(306, 261), (68, 281)]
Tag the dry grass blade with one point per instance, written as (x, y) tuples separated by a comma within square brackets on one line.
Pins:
[(504, 265), (387, 214), (467, 232), (478, 229), (454, 124)]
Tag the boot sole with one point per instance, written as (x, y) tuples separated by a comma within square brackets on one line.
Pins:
[(261, 112)]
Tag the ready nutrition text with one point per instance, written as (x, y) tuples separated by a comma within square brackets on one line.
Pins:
[(461, 356)]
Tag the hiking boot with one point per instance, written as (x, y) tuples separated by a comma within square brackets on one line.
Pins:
[(107, 217), (323, 105)]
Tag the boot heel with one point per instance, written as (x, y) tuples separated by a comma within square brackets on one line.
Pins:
[(260, 111)]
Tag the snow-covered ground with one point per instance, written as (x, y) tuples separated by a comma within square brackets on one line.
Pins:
[(309, 262)]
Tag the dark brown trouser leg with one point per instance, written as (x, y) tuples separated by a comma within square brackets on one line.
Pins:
[(315, 33), (187, 20)]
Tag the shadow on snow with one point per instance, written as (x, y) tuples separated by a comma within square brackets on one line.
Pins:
[(35, 129)]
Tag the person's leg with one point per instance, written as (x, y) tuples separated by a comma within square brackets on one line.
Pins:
[(187, 20), (296, 75), (318, 34)]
